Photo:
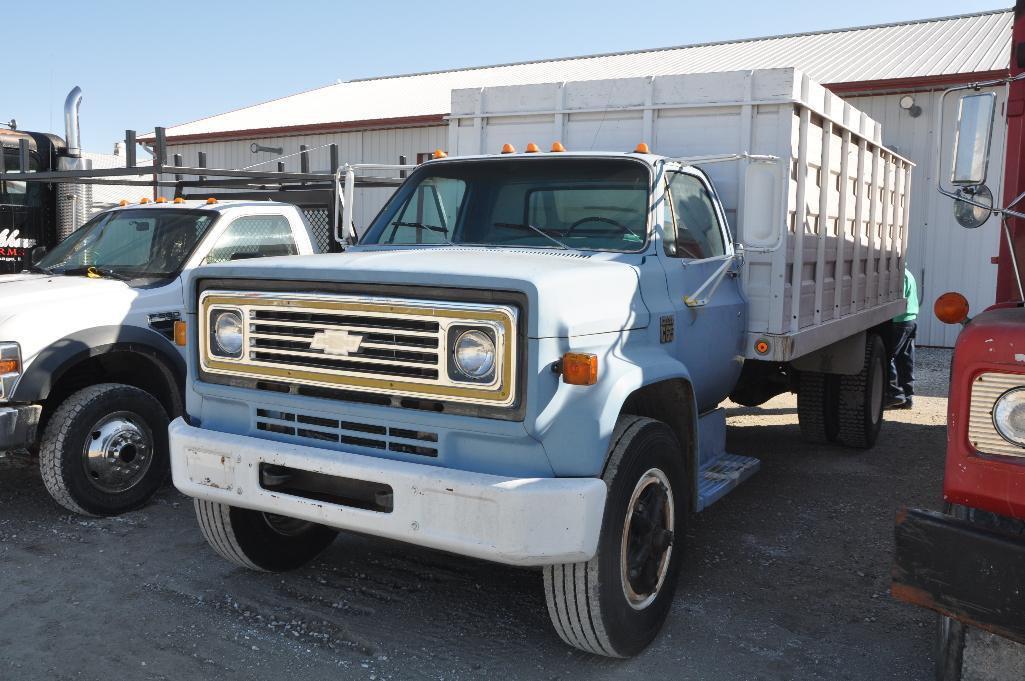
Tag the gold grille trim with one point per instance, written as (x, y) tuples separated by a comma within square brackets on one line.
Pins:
[(982, 434), (380, 345)]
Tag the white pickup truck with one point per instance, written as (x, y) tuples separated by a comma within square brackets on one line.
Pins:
[(90, 373)]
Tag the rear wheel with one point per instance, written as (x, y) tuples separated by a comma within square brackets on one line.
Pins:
[(261, 541), (817, 406), (860, 398), (615, 603)]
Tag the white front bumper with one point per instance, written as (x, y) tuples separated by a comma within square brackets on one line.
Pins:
[(528, 521)]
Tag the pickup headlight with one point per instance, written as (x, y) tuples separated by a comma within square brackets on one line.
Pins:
[(227, 334), (473, 354), (1009, 416), (10, 368)]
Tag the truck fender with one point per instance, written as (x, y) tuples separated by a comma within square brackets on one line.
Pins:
[(57, 358), (565, 426)]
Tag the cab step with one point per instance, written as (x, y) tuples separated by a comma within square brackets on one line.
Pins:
[(719, 472)]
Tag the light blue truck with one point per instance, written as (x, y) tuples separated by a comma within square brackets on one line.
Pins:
[(523, 359)]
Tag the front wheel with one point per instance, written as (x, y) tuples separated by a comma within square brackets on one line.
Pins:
[(261, 541), (615, 603), (104, 450)]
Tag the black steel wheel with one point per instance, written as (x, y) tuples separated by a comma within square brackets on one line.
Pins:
[(615, 603)]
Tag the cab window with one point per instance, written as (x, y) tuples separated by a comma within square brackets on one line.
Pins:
[(254, 236), (693, 230)]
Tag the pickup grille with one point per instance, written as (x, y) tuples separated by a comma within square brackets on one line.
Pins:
[(387, 346), (981, 432)]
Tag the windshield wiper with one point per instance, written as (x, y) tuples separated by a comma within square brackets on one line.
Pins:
[(527, 225), (430, 228), (94, 272)]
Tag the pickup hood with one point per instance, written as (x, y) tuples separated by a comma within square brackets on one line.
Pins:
[(33, 303), (569, 293)]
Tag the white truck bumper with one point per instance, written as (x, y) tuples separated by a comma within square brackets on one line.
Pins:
[(518, 521)]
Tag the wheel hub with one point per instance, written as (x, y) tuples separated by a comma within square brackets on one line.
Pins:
[(118, 452), (648, 537)]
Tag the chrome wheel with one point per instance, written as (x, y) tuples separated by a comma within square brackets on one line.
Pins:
[(647, 539), (118, 452)]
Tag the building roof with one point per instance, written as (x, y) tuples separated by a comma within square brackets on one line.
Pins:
[(864, 59)]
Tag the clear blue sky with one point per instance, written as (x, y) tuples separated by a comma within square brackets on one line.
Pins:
[(143, 64)]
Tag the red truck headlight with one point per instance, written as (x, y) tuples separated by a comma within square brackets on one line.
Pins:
[(1009, 416)]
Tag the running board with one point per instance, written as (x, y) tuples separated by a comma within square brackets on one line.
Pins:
[(718, 472)]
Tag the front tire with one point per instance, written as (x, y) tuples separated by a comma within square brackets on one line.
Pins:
[(261, 541), (104, 450), (615, 604)]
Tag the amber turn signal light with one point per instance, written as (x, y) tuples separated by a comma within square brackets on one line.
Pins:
[(8, 366), (579, 368), (951, 308), (179, 333)]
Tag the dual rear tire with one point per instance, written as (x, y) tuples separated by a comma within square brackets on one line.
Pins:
[(845, 409)]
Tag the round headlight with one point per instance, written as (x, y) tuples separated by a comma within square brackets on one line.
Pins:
[(1009, 416), (474, 354), (228, 333)]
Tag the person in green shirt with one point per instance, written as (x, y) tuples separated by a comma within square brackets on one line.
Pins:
[(902, 344)]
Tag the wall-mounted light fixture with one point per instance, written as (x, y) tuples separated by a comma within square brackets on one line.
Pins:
[(907, 102)]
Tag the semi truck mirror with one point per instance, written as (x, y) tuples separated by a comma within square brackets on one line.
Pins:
[(36, 254), (973, 206), (972, 142)]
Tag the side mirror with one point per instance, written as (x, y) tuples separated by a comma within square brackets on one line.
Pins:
[(972, 142), (36, 254)]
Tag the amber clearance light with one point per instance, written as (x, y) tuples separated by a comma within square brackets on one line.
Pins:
[(9, 366), (951, 308), (180, 335), (579, 368)]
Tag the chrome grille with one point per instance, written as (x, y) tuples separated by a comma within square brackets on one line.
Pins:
[(354, 434), (982, 433), (386, 346)]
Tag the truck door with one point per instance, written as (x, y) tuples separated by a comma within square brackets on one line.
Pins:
[(22, 215), (708, 337)]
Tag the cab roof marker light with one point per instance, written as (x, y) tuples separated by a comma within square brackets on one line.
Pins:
[(144, 200), (123, 202), (211, 201), (160, 199), (179, 199), (531, 148), (508, 148), (642, 148), (557, 147), (438, 153)]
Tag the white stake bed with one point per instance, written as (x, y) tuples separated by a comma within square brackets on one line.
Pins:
[(824, 250)]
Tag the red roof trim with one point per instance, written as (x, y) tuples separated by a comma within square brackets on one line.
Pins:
[(854, 87), (308, 129), (913, 83)]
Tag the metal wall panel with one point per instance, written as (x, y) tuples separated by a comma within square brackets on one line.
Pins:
[(942, 255)]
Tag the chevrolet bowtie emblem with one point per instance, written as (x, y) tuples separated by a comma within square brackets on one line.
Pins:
[(336, 342)]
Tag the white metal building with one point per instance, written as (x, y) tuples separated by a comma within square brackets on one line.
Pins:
[(875, 67)]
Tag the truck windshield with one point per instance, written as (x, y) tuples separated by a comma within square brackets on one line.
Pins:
[(588, 204), (138, 243)]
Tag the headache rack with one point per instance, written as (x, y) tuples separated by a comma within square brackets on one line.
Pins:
[(326, 198)]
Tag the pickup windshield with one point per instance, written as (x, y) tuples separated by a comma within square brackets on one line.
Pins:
[(138, 243), (588, 204)]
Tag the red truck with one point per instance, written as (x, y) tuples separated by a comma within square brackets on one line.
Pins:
[(968, 563)]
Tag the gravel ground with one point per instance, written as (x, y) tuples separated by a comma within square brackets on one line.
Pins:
[(787, 578)]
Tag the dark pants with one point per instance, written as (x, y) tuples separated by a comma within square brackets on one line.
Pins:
[(902, 362)]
